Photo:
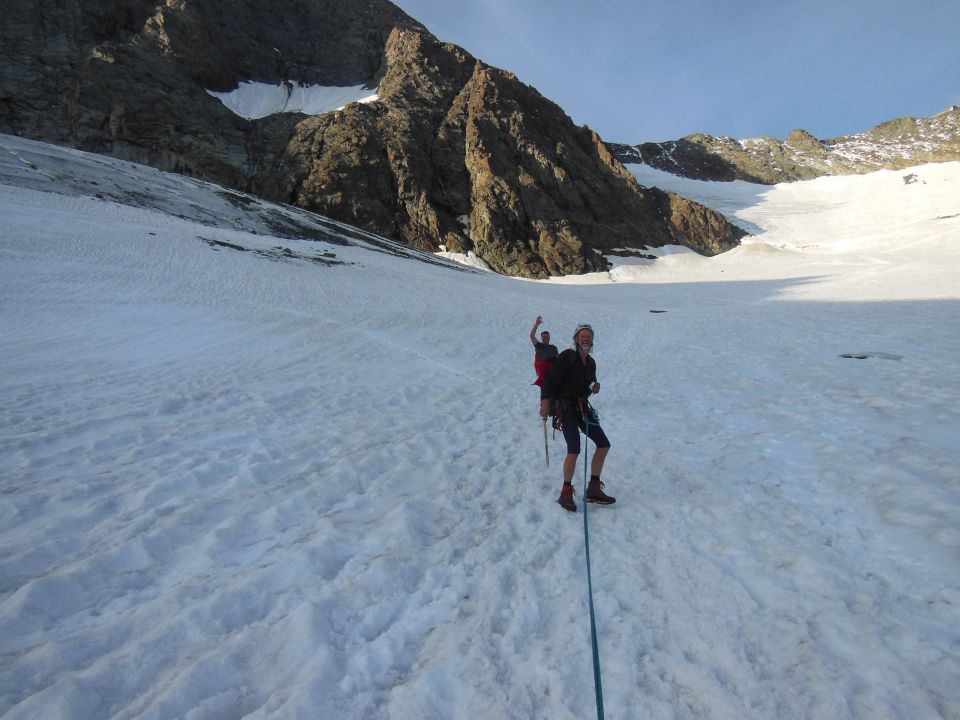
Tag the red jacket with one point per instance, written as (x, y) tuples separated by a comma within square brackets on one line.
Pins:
[(543, 361)]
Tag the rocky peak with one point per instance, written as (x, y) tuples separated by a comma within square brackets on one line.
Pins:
[(479, 161), (803, 141)]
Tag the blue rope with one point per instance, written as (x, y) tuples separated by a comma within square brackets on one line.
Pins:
[(597, 685)]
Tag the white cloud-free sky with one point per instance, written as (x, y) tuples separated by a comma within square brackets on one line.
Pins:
[(647, 70)]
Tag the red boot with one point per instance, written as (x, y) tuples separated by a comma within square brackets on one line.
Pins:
[(566, 498)]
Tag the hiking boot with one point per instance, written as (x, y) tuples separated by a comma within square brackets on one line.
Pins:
[(566, 498), (595, 493)]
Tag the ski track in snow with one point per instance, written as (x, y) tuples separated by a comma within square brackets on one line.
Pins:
[(236, 487)]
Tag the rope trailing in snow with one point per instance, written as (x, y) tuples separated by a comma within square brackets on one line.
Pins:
[(597, 685)]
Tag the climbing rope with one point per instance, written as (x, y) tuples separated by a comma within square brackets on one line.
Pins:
[(597, 684)]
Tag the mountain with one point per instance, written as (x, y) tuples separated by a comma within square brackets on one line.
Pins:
[(450, 152), (49, 168), (891, 145), (246, 474)]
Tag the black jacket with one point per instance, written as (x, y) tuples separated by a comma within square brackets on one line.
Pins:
[(545, 352), (569, 378)]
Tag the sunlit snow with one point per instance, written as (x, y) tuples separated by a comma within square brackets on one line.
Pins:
[(252, 476), (468, 258), (850, 233)]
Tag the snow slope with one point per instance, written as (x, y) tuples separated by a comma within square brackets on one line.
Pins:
[(259, 476), (253, 100), (859, 238)]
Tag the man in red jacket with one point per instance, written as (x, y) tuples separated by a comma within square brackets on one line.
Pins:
[(544, 352)]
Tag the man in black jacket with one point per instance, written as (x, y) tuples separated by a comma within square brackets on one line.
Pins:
[(568, 385)]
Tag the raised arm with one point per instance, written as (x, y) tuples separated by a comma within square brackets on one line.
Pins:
[(533, 331)]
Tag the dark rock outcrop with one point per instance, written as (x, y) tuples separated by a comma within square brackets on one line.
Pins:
[(129, 78), (892, 145), (454, 152)]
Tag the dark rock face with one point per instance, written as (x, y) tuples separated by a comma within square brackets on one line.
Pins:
[(454, 152), (128, 78), (703, 230), (891, 145)]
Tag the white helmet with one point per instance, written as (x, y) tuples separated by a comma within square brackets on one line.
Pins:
[(582, 326)]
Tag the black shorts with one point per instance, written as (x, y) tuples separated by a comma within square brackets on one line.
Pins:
[(571, 433)]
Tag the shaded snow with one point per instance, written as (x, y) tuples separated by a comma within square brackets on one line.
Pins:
[(253, 100), (244, 484)]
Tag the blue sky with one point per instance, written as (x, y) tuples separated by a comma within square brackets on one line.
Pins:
[(647, 70)]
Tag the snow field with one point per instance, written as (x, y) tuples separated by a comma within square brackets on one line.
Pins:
[(855, 238), (236, 486)]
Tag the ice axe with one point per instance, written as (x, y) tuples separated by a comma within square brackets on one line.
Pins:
[(546, 450)]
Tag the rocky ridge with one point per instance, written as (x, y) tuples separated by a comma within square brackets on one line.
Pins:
[(891, 145), (484, 164), (454, 152)]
